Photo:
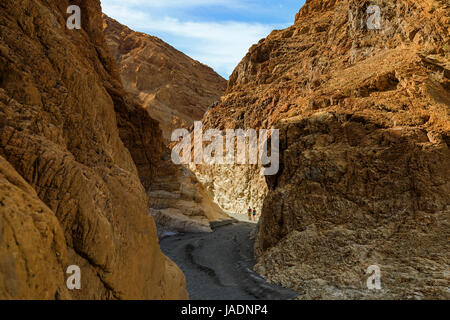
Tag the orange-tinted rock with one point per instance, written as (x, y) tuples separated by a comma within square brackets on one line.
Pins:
[(68, 130), (365, 160), (32, 244), (175, 89), (170, 86)]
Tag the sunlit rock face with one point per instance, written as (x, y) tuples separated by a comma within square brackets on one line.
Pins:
[(364, 149), (73, 152), (234, 187), (175, 89)]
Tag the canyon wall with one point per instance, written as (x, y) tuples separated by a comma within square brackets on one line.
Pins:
[(72, 150), (234, 187), (175, 89), (364, 127), (179, 202)]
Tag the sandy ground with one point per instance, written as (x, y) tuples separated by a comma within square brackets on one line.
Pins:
[(218, 265), (242, 217)]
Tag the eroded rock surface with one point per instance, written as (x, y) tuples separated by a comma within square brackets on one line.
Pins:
[(175, 89), (71, 145), (26, 221), (234, 187), (179, 202), (365, 161)]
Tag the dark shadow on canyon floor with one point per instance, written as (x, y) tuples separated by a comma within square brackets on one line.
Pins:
[(218, 265)]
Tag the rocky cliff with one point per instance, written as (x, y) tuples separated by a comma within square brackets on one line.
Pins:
[(179, 202), (72, 148), (175, 89), (364, 126)]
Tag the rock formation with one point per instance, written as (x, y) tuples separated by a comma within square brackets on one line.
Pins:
[(234, 187), (179, 202), (175, 89), (72, 148), (364, 125), (29, 271)]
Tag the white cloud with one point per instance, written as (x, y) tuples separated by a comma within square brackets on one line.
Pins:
[(220, 45)]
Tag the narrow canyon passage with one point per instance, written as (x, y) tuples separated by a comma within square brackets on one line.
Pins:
[(218, 265)]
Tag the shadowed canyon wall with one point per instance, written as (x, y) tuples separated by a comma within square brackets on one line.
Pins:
[(175, 89), (365, 162), (72, 148)]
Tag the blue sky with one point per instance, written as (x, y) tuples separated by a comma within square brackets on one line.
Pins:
[(215, 32)]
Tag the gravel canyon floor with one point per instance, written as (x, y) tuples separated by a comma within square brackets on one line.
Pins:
[(87, 177), (218, 265)]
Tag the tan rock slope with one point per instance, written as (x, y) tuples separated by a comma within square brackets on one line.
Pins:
[(365, 160), (71, 145), (179, 202), (175, 89)]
